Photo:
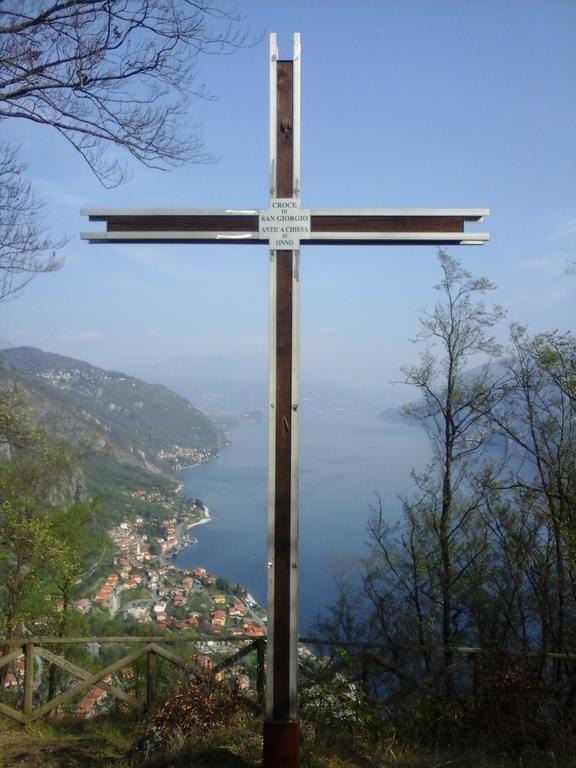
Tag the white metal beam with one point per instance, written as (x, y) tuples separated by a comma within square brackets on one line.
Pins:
[(315, 238), (470, 214)]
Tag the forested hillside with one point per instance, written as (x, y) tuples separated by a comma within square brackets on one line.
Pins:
[(148, 419)]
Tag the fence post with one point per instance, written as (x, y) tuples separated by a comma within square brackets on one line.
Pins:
[(150, 680), (260, 670), (366, 677), (28, 677), (475, 677)]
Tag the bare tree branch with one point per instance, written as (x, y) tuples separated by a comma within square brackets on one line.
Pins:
[(106, 75), (112, 72), (25, 249)]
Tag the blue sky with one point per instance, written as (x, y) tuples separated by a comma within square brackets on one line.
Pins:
[(405, 103)]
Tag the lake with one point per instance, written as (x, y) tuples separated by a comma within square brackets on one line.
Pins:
[(346, 456)]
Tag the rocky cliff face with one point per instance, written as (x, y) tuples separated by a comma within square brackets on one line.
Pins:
[(71, 488)]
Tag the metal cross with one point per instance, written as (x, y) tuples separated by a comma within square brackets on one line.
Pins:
[(285, 226)]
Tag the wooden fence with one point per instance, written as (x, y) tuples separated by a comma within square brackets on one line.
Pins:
[(33, 648), (365, 656), (387, 673)]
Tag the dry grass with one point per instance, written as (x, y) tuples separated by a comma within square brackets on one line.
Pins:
[(109, 742)]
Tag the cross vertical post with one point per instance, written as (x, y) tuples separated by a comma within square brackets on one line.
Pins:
[(281, 730)]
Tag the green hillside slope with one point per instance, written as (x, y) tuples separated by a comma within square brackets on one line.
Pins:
[(128, 435), (148, 420)]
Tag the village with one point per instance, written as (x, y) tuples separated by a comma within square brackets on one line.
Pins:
[(178, 457), (144, 586)]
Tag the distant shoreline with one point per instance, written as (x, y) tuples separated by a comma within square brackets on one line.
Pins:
[(182, 535), (204, 519)]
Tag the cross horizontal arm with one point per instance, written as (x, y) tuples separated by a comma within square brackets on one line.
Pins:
[(174, 225), (395, 226), (327, 226)]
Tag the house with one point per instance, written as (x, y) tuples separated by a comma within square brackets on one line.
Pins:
[(88, 704), (242, 682), (10, 680), (204, 662), (218, 618), (153, 577), (138, 612), (83, 605), (252, 629)]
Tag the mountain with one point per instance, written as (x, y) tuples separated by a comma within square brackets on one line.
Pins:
[(395, 416), (148, 419), (127, 433), (218, 386)]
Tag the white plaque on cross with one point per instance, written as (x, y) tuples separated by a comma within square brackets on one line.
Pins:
[(284, 224)]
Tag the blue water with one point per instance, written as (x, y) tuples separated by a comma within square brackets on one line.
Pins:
[(345, 458)]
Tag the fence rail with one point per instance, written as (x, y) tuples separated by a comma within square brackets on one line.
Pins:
[(439, 649)]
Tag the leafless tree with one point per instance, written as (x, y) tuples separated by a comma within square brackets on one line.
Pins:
[(25, 249), (536, 414), (104, 74), (457, 329)]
